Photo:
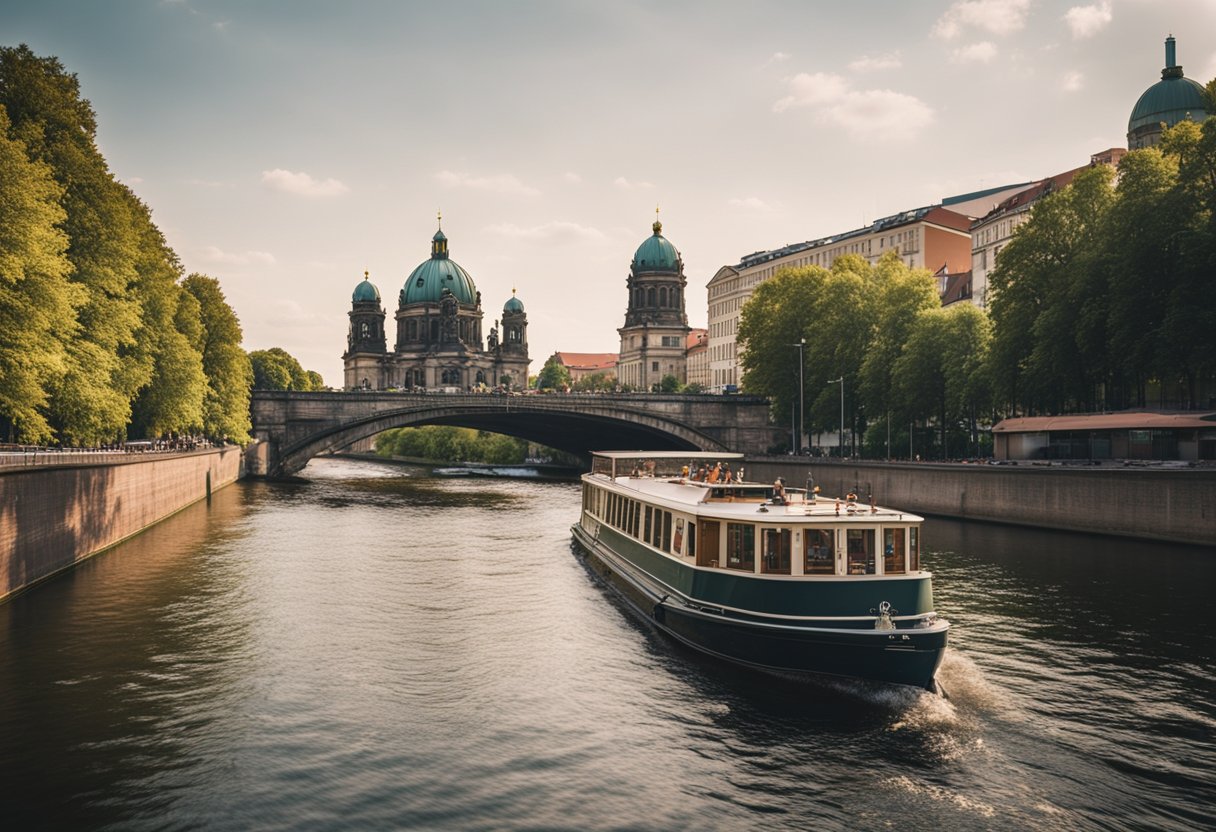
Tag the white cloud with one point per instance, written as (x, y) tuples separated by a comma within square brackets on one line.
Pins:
[(866, 63), (752, 203), (1087, 21), (1073, 82), (1000, 17), (301, 184), (503, 183), (776, 58), (813, 89), (982, 52), (557, 231), (622, 182), (211, 254), (572, 178), (876, 115)]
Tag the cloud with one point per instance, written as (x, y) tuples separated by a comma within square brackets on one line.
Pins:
[(776, 58), (503, 183), (870, 114), (572, 178), (982, 52), (1087, 21), (557, 231), (865, 63), (752, 203), (1073, 82), (1000, 17), (301, 184), (625, 184), (211, 254)]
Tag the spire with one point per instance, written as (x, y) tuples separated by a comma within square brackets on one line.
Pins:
[(439, 243), (439, 218), (1172, 70), (658, 226)]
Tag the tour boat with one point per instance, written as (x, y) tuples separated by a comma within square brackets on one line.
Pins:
[(774, 578)]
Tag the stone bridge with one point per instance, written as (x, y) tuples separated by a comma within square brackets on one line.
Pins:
[(292, 428)]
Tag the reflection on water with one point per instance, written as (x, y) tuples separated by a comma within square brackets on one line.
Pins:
[(376, 648)]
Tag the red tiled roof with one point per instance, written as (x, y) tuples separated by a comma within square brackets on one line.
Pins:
[(1133, 420), (949, 219), (588, 360), (696, 338)]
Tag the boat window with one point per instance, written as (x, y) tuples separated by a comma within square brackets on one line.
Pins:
[(893, 551), (820, 554), (860, 551), (776, 559), (637, 517), (678, 540), (914, 549), (646, 529), (667, 531), (657, 540), (741, 546)]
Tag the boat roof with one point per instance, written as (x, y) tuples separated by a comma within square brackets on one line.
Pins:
[(690, 455), (707, 499)]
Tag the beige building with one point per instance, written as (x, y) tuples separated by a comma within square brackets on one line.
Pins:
[(934, 237), (697, 357), (656, 326)]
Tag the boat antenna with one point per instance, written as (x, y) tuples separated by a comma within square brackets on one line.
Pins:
[(870, 496)]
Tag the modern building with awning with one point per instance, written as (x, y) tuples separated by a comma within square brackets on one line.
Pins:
[(1127, 435)]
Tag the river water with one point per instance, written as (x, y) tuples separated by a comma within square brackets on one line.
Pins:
[(381, 649)]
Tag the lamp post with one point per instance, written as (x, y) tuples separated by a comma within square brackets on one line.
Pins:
[(840, 381), (801, 396)]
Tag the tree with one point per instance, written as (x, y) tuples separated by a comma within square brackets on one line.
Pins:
[(276, 369), (37, 300), (668, 384), (596, 382), (553, 376), (229, 373)]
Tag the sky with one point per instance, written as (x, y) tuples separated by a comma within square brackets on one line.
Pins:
[(286, 146)]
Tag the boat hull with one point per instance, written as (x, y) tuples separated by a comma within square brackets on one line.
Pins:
[(905, 656)]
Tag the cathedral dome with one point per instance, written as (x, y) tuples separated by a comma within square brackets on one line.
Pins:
[(366, 291), (656, 253), (1170, 100), (427, 282), (513, 306)]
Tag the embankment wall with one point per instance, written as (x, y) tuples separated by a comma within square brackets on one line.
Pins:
[(1176, 505), (55, 516)]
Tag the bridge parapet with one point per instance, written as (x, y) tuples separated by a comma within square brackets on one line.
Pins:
[(293, 427)]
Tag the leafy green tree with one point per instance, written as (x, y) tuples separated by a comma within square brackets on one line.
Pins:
[(668, 384), (596, 382), (91, 401), (444, 443), (553, 376), (277, 369), (37, 300), (315, 381), (173, 400), (227, 366)]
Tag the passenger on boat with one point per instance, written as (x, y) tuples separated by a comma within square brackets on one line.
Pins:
[(701, 475), (739, 476), (779, 492), (727, 477), (715, 473)]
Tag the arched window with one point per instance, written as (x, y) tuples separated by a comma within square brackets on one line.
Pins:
[(650, 296), (663, 296), (481, 377), (411, 330), (364, 331), (434, 330)]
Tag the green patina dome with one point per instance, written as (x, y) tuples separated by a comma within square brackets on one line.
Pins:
[(513, 305), (1170, 100), (366, 291), (656, 254), (427, 282)]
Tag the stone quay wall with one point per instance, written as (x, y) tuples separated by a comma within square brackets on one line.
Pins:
[(1173, 505), (52, 517)]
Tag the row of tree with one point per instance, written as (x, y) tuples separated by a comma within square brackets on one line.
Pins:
[(1105, 298), (452, 444), (102, 337)]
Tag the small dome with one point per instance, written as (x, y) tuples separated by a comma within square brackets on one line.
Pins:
[(656, 253), (366, 291), (1170, 100), (513, 305)]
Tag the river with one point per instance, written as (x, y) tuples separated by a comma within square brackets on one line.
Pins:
[(376, 648)]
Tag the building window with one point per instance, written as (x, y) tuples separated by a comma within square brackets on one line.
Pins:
[(654, 366)]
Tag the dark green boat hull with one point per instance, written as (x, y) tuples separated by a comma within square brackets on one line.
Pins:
[(830, 646)]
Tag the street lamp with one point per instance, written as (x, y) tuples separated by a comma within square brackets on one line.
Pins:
[(801, 397), (840, 381)]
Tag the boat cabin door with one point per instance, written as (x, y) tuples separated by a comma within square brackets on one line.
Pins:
[(707, 543)]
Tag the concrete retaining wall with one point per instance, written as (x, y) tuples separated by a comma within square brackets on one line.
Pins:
[(54, 516), (1157, 504)]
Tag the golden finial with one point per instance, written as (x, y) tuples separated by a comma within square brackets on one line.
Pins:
[(439, 217), (365, 274), (512, 291), (658, 226)]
